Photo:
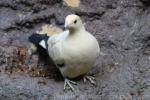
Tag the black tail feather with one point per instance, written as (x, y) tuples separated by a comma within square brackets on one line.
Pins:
[(37, 38)]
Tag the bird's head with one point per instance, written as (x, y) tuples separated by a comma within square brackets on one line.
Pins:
[(73, 22)]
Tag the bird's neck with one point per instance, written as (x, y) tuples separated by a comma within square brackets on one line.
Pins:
[(76, 31), (74, 35)]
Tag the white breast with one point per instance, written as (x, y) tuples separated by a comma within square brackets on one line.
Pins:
[(79, 54)]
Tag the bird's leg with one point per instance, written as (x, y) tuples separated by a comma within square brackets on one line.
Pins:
[(68, 83), (91, 79)]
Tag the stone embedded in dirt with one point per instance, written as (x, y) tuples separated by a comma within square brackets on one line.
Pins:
[(72, 3), (49, 30)]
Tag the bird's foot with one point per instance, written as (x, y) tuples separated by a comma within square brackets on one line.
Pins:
[(68, 84), (91, 79)]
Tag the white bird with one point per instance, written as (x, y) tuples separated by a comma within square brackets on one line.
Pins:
[(74, 51)]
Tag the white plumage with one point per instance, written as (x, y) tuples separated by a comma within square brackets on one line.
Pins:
[(75, 49)]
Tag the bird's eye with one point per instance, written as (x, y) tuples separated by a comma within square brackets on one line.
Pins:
[(75, 21)]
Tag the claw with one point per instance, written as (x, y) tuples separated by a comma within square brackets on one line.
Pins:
[(84, 80), (68, 83), (90, 79)]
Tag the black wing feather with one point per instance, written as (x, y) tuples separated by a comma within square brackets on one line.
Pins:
[(37, 38)]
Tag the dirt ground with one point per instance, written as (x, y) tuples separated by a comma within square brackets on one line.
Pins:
[(122, 71)]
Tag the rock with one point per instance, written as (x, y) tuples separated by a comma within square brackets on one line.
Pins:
[(72, 3), (122, 28)]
